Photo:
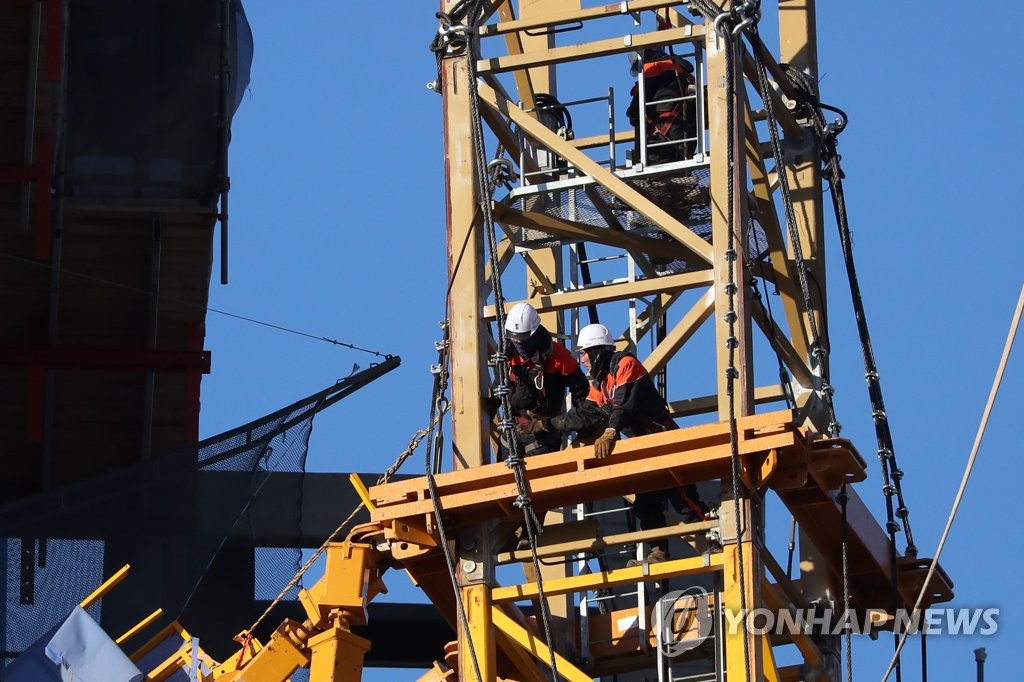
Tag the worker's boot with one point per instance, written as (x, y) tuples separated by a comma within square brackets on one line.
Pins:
[(655, 556)]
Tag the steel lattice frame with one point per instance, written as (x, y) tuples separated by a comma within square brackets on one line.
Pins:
[(507, 115), (522, 38)]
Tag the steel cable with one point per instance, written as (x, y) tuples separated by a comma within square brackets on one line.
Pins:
[(414, 442), (891, 474), (433, 463), (1007, 347), (732, 373), (843, 503), (818, 348), (515, 461), (161, 298)]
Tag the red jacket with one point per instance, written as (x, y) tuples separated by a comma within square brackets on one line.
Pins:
[(541, 389)]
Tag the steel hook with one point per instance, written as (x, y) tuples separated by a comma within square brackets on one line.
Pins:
[(718, 23)]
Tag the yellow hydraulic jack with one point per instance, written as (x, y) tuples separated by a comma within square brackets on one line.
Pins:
[(324, 641)]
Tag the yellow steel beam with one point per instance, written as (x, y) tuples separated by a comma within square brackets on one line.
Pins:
[(538, 281), (576, 475), (514, 45), (732, 341), (170, 666), (593, 141), (601, 175), (570, 229), (774, 70), (798, 47), (659, 304), (545, 273), (360, 489), (782, 113), (709, 403), (107, 585), (783, 273), (681, 333), (612, 220), (139, 627), (791, 673), (536, 647), (782, 581), (503, 131), (614, 292), (774, 600), (526, 669), (470, 378), (742, 648), (608, 579), (159, 638), (506, 251), (770, 670), (794, 361), (595, 544), (477, 599), (597, 48), (616, 9)]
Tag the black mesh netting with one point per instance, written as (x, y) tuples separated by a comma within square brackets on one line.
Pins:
[(683, 194), (181, 507)]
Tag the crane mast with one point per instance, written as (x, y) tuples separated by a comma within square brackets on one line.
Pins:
[(735, 232)]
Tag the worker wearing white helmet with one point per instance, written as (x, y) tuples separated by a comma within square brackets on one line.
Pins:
[(541, 370), (624, 399)]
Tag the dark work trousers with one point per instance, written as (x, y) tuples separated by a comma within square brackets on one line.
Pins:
[(649, 509)]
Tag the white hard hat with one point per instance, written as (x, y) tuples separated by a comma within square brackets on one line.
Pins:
[(594, 335), (522, 319)]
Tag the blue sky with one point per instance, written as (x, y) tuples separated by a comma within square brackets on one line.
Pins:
[(337, 229)]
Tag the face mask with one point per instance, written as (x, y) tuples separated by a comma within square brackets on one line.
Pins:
[(598, 359), (525, 347)]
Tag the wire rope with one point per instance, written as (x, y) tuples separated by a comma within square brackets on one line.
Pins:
[(996, 382), (471, 13), (732, 374), (196, 306)]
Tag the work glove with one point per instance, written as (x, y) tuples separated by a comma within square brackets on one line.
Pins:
[(535, 425), (605, 443)]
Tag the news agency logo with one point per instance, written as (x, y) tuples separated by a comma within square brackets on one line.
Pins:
[(684, 620), (823, 621)]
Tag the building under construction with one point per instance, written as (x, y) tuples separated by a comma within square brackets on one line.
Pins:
[(692, 228)]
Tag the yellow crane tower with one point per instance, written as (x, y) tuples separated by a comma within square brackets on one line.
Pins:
[(657, 235), (740, 202)]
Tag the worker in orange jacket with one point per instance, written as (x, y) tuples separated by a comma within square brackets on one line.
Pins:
[(666, 117), (624, 400)]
